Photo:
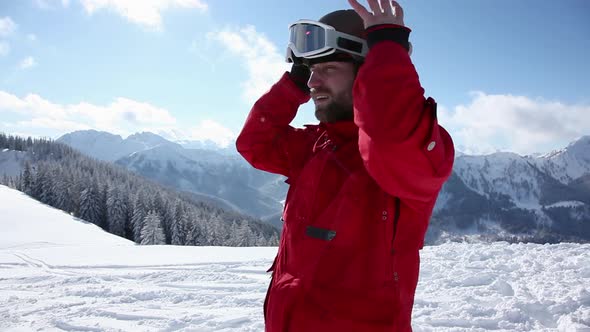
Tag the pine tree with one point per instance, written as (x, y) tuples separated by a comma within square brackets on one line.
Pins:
[(90, 204), (104, 209), (274, 240), (43, 189), (243, 234), (3, 141), (152, 232), (62, 187), (180, 224), (116, 212), (27, 179), (168, 215), (138, 216), (128, 225)]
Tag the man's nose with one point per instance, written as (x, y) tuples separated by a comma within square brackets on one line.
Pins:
[(315, 80)]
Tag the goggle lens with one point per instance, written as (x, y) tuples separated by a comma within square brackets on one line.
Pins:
[(307, 37)]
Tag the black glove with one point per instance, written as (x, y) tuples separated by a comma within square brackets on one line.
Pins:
[(300, 75)]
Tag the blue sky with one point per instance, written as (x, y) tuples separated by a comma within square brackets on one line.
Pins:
[(508, 75)]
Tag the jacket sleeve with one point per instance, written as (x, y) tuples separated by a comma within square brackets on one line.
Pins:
[(267, 141), (404, 149)]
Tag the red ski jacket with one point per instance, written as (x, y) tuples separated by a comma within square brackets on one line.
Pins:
[(360, 198)]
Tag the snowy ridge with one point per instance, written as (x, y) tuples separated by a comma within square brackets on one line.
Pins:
[(505, 173), (109, 147), (568, 164), (225, 180), (524, 178), (79, 278), (513, 190)]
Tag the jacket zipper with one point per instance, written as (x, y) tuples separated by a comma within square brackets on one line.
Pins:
[(396, 215), (395, 221)]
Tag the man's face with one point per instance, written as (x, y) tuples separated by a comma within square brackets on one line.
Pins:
[(331, 90)]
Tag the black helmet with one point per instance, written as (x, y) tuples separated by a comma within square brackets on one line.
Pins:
[(347, 21)]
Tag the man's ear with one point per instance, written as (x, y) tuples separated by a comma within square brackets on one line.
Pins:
[(410, 48)]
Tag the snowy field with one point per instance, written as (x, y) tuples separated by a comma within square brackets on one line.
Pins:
[(60, 274)]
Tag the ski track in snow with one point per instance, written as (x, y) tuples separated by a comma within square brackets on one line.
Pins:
[(201, 297), (463, 287)]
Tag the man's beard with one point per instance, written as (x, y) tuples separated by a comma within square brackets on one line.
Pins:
[(337, 110)]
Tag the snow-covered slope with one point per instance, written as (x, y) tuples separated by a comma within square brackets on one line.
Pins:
[(505, 173), (25, 222), (528, 181), (57, 273), (568, 164)]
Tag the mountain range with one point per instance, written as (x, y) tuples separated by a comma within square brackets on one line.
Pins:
[(215, 175), (540, 198)]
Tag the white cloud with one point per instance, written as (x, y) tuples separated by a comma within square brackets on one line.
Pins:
[(61, 125), (32, 37), (123, 117), (206, 130), (10, 102), (261, 58), (129, 113), (28, 62), (7, 26), (4, 48), (211, 130), (514, 123), (48, 4), (146, 12)]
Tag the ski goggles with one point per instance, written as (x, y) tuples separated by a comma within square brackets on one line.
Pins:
[(311, 39)]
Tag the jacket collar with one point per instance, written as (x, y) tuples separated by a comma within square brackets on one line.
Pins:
[(341, 132)]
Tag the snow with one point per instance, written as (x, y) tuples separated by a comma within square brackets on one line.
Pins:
[(569, 163), (59, 273), (566, 204), (501, 172)]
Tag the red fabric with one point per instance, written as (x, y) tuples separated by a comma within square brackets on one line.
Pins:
[(354, 179)]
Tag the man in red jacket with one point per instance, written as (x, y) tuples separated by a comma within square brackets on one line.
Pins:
[(363, 182)]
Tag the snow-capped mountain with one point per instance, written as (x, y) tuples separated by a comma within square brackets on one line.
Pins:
[(568, 164), (529, 182), (540, 198), (209, 145), (503, 195), (225, 180), (108, 147), (503, 173), (216, 175)]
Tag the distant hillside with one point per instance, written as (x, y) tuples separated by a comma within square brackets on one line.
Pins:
[(213, 174), (120, 202)]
